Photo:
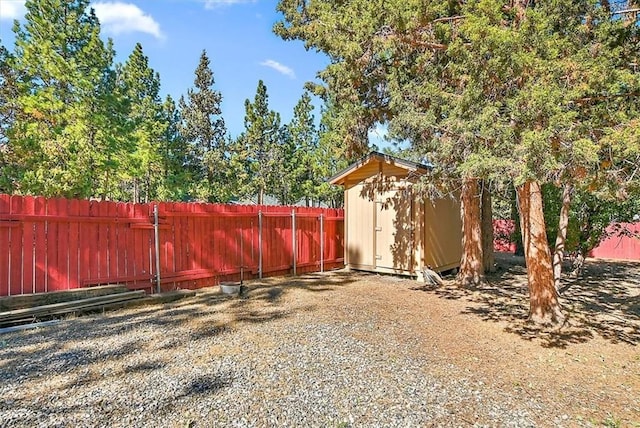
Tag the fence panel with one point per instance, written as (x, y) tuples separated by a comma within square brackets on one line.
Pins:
[(626, 247), (58, 244)]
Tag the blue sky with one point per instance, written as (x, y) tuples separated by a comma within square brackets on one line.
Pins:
[(235, 33)]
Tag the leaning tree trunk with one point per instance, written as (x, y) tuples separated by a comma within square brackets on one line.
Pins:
[(471, 270), (516, 236), (544, 306), (561, 238), (488, 258)]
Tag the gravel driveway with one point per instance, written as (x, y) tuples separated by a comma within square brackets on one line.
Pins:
[(298, 353)]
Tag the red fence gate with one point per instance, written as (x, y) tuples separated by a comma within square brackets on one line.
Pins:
[(59, 244)]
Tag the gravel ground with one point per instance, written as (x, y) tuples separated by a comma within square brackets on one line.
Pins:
[(296, 353)]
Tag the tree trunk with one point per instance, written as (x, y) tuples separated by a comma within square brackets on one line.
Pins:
[(261, 196), (516, 236), (471, 270), (561, 238), (544, 306), (488, 258)]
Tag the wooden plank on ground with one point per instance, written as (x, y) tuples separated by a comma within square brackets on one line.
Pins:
[(66, 307), (38, 299)]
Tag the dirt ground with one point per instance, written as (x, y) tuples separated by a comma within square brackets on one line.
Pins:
[(586, 373), (589, 368)]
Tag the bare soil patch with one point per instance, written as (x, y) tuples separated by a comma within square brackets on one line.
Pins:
[(589, 368)]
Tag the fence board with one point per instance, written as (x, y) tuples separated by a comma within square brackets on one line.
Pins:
[(91, 240), (124, 240), (40, 244), (74, 247), (63, 245), (15, 250), (112, 237), (616, 246), (28, 243), (5, 226)]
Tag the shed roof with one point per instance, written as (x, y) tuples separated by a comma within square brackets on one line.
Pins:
[(376, 163)]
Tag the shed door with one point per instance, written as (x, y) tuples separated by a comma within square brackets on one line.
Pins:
[(393, 230)]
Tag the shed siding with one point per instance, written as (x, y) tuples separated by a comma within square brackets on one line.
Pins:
[(442, 234), (360, 227)]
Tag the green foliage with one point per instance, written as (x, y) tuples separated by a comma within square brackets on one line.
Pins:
[(257, 152), (63, 140), (176, 156), (590, 215), (508, 93), (298, 156), (333, 153), (141, 172), (73, 124), (204, 129), (8, 117)]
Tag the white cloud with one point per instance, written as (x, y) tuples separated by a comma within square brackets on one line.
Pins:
[(280, 68), (12, 9), (212, 4), (118, 18)]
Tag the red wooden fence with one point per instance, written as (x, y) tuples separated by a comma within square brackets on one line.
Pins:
[(625, 246), (59, 244)]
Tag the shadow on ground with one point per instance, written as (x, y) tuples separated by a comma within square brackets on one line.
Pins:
[(62, 348), (604, 302)]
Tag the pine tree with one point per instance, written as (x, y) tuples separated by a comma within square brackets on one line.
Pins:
[(140, 86), (176, 157), (67, 137), (8, 117), (204, 129), (298, 154), (257, 154)]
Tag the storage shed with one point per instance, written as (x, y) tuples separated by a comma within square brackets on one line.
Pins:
[(389, 228)]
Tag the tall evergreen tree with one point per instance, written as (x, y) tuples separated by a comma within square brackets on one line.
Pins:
[(257, 153), (176, 156), (67, 138), (204, 129), (299, 156), (8, 113), (140, 86)]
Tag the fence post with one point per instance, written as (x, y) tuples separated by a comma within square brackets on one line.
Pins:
[(156, 232), (293, 240), (260, 244), (321, 242)]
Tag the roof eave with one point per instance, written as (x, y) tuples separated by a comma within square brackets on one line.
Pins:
[(340, 177)]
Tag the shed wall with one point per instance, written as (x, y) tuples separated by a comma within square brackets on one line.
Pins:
[(359, 236), (442, 234), (393, 232)]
